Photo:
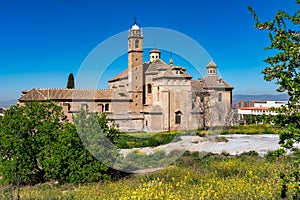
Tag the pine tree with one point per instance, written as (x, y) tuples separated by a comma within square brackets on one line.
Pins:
[(70, 84)]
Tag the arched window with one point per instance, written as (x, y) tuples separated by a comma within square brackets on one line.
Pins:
[(136, 43), (149, 88), (106, 108), (178, 117)]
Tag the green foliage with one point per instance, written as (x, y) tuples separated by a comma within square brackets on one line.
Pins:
[(25, 131), (128, 141), (137, 160), (71, 84), (68, 160), (209, 177), (260, 119), (284, 68), (97, 138), (38, 144), (252, 129)]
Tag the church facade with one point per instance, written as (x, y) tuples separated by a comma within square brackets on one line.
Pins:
[(149, 96)]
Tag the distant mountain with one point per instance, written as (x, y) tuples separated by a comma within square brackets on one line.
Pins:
[(265, 97), (7, 103)]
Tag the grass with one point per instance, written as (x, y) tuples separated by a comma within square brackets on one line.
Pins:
[(252, 129), (194, 176), (143, 139)]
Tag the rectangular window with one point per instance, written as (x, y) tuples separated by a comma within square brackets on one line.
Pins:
[(106, 108), (149, 89), (220, 97), (178, 119)]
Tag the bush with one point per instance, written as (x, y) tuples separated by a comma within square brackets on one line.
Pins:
[(252, 129), (128, 141)]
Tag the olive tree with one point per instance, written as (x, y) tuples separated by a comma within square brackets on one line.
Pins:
[(38, 143), (25, 131)]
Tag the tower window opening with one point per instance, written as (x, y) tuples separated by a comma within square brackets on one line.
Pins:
[(149, 88), (136, 43), (136, 59)]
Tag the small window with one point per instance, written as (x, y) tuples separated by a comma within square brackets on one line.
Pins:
[(149, 89), (136, 59), (220, 97), (106, 107), (178, 117)]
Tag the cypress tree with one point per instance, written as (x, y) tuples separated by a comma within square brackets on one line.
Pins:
[(70, 84)]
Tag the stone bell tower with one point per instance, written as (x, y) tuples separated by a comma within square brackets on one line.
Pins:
[(135, 67), (135, 58)]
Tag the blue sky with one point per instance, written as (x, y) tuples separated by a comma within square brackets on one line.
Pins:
[(41, 42)]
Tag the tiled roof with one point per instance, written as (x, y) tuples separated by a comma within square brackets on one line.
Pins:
[(197, 86), (123, 74), (254, 108), (160, 65), (157, 65), (39, 94), (215, 82), (211, 64)]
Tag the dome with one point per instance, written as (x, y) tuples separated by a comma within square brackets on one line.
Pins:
[(135, 27), (155, 50)]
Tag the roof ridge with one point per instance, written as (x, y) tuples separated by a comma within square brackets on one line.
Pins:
[(69, 89)]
